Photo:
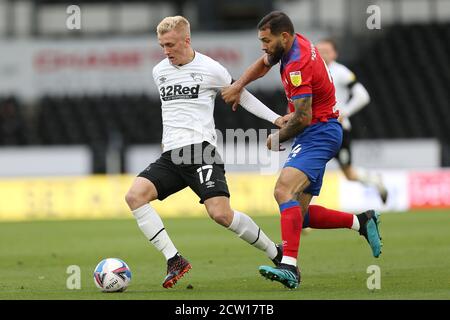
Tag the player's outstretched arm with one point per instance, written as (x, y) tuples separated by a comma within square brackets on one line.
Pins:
[(257, 70), (252, 104), (300, 119), (360, 98)]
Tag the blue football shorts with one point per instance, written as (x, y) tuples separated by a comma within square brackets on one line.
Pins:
[(312, 149)]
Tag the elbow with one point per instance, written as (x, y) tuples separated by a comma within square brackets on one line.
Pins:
[(360, 90), (365, 100), (365, 96)]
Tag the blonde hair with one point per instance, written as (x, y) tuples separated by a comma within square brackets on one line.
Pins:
[(171, 23)]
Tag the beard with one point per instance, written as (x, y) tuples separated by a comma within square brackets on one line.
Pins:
[(275, 57)]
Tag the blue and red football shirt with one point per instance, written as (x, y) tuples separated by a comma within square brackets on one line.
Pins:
[(304, 73)]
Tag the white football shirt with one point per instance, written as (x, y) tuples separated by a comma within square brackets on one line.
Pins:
[(342, 77), (187, 96)]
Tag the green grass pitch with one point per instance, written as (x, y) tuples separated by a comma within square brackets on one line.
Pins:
[(415, 263)]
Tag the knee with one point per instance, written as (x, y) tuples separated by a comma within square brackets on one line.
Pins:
[(350, 174), (282, 195), (222, 216), (135, 199)]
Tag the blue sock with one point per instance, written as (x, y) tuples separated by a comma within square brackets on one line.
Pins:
[(287, 205)]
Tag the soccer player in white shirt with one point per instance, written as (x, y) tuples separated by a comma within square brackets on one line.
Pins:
[(188, 82), (351, 97)]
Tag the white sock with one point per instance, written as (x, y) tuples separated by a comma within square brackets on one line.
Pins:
[(249, 231), (289, 260), (152, 226), (355, 225)]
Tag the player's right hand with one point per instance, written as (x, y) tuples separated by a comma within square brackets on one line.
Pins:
[(231, 95)]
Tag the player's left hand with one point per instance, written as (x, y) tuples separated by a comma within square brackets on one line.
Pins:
[(275, 146), (283, 120)]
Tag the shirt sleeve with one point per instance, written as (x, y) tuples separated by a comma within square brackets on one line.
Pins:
[(220, 76), (299, 76), (348, 77), (154, 76)]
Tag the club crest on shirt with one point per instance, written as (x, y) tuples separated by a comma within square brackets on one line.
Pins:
[(296, 78), (197, 77)]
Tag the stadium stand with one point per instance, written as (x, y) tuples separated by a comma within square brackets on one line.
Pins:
[(13, 125), (407, 72)]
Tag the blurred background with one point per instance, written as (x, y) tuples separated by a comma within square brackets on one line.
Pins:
[(80, 115)]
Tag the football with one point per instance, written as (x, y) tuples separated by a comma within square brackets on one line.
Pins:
[(112, 275)]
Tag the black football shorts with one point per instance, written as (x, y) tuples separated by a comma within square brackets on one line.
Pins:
[(197, 166), (344, 156)]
